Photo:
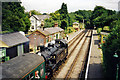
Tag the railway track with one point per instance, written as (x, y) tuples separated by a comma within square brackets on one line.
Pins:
[(74, 44), (74, 49), (79, 60), (71, 44)]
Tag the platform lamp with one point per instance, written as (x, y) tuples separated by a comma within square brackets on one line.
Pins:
[(116, 56)]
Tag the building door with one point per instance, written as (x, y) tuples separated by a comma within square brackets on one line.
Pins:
[(41, 41), (20, 49), (2, 54), (56, 36)]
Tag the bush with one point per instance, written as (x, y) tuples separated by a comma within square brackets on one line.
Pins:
[(109, 48), (70, 29), (99, 30), (106, 28)]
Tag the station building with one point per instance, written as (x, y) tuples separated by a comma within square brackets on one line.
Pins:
[(103, 36), (76, 26), (42, 36), (12, 45)]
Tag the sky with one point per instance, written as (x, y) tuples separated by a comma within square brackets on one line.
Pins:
[(48, 6)]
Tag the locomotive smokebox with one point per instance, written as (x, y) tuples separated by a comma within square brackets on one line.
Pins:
[(42, 48)]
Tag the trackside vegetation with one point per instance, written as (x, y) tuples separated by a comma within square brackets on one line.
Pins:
[(110, 48)]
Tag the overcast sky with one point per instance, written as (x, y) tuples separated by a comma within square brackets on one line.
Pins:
[(48, 6)]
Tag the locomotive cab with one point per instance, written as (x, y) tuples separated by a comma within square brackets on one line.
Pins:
[(62, 42)]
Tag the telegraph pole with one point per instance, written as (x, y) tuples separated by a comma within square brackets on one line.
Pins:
[(83, 23)]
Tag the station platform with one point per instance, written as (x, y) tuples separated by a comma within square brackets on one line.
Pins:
[(72, 35), (95, 69)]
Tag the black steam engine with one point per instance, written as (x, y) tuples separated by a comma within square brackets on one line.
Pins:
[(54, 55)]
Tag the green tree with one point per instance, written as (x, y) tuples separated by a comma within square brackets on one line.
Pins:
[(79, 18), (102, 17), (49, 22), (56, 15), (34, 12), (83, 14), (64, 24), (64, 16), (63, 11), (14, 18), (113, 20)]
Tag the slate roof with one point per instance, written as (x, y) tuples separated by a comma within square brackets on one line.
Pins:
[(52, 30), (19, 66), (41, 17), (12, 39)]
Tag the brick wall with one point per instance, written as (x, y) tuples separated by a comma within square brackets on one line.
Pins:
[(37, 39)]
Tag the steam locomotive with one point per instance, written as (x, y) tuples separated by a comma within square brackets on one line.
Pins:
[(54, 55), (36, 66)]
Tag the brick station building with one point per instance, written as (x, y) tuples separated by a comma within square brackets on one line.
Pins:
[(44, 35)]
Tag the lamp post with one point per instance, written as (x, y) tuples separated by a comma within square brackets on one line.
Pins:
[(116, 56)]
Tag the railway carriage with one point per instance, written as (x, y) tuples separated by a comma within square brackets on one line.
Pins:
[(24, 67), (36, 66)]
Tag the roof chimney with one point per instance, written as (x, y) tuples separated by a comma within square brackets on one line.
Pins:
[(30, 13), (56, 24)]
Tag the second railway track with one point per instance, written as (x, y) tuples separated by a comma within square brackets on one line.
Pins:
[(71, 45), (72, 54), (79, 60)]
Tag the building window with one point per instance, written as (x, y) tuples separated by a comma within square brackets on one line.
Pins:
[(41, 72), (37, 75), (32, 27), (47, 39), (3, 57), (20, 49), (76, 24), (30, 77), (32, 21), (42, 41), (56, 36), (2, 52)]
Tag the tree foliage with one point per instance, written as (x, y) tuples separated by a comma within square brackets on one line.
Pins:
[(34, 12), (60, 16), (79, 15), (102, 17), (110, 47), (64, 16), (14, 18)]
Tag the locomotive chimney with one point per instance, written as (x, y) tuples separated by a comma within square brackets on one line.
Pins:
[(56, 24), (43, 28)]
